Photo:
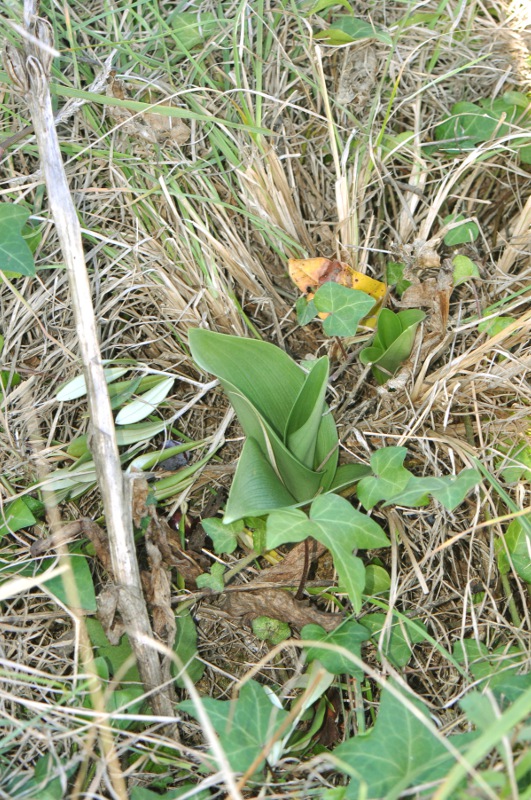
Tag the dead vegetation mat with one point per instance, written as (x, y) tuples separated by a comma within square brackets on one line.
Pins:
[(193, 226)]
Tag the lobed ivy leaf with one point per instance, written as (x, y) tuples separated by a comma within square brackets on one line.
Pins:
[(224, 536), (212, 580), (244, 727), (395, 642), (517, 540), (398, 752), (341, 528), (349, 635), (390, 476), (345, 307)]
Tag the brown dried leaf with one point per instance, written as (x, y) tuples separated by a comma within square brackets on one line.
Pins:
[(277, 604)]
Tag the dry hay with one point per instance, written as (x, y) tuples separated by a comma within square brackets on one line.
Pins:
[(179, 236)]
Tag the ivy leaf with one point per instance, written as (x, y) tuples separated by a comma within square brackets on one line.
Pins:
[(349, 635), (346, 308), (449, 490), (390, 476), (464, 269), (396, 644), (212, 580), (15, 254), (224, 536), (340, 527), (306, 311), (185, 646), (245, 727), (467, 232), (518, 543), (398, 752)]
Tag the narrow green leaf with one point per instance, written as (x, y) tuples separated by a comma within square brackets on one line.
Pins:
[(76, 387), (256, 488), (185, 647), (146, 404), (348, 474), (306, 415)]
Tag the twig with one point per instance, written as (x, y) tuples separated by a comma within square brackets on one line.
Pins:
[(29, 70)]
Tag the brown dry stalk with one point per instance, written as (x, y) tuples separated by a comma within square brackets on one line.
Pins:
[(29, 71)]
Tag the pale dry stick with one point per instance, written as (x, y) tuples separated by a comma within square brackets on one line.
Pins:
[(29, 71), (347, 218)]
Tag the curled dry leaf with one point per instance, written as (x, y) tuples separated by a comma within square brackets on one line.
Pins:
[(150, 126), (277, 604)]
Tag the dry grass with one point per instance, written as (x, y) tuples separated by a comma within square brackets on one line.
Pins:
[(286, 157)]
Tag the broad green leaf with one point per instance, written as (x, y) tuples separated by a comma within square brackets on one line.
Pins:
[(190, 29), (114, 654), (346, 308), (349, 635), (245, 727), (467, 126), (390, 476), (517, 465), (212, 580), (76, 387), (395, 277), (224, 536), (146, 404), (266, 376), (467, 232), (256, 488), (15, 254), (262, 385), (185, 647), (377, 580), (80, 571), (518, 542), (16, 515), (394, 641), (302, 425), (495, 325), (464, 269), (398, 752)]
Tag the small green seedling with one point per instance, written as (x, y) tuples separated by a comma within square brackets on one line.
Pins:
[(392, 343)]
